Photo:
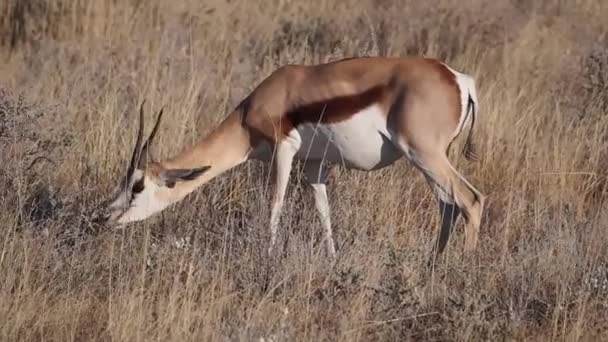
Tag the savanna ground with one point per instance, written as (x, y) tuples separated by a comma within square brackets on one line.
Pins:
[(71, 78)]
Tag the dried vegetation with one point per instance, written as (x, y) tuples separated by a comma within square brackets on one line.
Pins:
[(73, 72)]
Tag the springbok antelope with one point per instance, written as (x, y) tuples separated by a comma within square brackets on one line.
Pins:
[(363, 113)]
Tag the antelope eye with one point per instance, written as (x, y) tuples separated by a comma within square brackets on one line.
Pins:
[(138, 186)]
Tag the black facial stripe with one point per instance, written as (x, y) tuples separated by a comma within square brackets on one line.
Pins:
[(138, 186)]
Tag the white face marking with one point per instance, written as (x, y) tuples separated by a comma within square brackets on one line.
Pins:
[(144, 203), (122, 199), (362, 142), (130, 207)]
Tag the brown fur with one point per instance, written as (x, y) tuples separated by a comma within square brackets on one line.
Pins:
[(338, 109), (337, 90), (421, 98)]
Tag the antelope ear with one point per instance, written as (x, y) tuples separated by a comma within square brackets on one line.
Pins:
[(170, 177)]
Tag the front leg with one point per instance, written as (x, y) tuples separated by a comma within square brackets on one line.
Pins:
[(286, 150), (316, 175)]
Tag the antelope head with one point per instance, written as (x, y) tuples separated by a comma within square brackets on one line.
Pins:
[(148, 187)]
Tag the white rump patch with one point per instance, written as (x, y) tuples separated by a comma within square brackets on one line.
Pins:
[(466, 85)]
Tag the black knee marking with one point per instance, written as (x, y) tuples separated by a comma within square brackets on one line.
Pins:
[(449, 215)]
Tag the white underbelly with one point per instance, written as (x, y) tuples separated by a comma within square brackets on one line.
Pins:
[(361, 142)]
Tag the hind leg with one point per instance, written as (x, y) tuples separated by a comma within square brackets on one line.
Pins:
[(449, 213), (455, 194), (473, 202), (468, 199)]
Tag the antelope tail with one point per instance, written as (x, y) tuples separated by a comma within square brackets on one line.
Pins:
[(469, 149)]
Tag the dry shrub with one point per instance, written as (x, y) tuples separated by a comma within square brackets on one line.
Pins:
[(74, 72)]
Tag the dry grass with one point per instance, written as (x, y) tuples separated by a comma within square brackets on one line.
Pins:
[(72, 73)]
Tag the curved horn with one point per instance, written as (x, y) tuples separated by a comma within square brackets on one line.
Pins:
[(143, 160), (135, 157)]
